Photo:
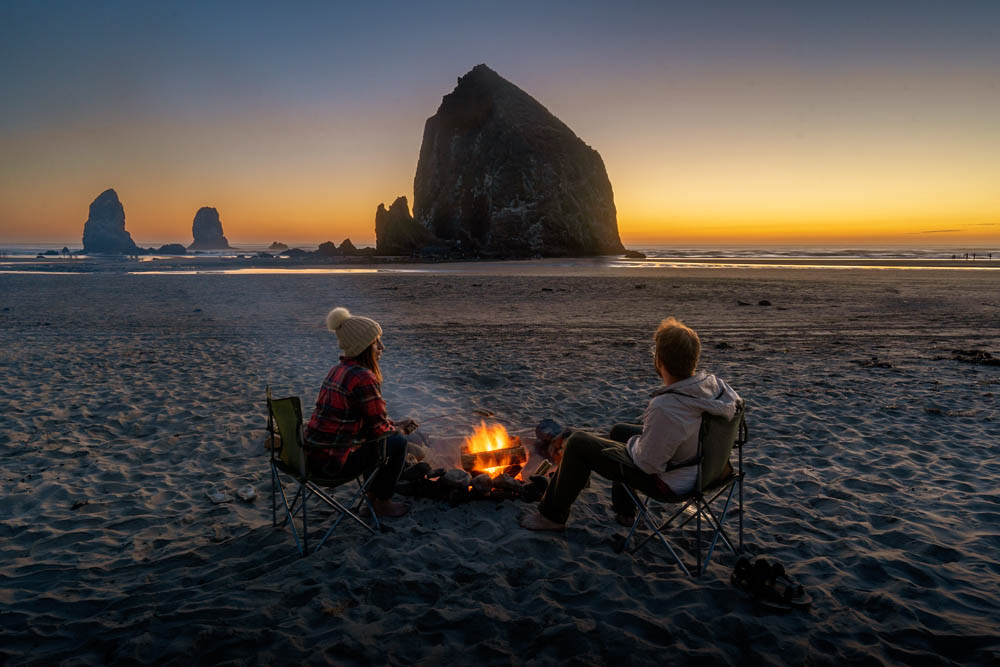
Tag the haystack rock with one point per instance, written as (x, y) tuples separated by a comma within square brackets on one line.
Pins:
[(396, 233), (104, 231), (500, 174), (207, 231)]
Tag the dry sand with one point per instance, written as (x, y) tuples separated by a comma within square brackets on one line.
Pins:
[(125, 397)]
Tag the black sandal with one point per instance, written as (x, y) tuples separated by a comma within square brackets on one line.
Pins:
[(769, 585)]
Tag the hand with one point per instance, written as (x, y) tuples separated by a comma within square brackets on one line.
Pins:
[(408, 426), (557, 445), (556, 449)]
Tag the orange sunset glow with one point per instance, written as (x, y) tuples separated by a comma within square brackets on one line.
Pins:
[(811, 138)]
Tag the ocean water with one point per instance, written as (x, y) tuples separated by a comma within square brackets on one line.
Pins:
[(652, 251)]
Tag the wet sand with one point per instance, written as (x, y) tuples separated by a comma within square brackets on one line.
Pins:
[(872, 467)]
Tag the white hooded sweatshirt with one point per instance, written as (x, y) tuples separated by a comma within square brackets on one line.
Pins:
[(671, 424)]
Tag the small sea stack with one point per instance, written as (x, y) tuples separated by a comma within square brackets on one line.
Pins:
[(104, 231), (396, 232), (207, 231)]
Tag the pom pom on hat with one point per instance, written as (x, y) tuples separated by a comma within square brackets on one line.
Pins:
[(354, 333), (336, 317)]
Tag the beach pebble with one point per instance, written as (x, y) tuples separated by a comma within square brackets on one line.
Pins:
[(482, 483), (247, 493), (217, 497), (763, 302), (457, 478), (540, 481), (507, 483), (418, 452), (416, 472)]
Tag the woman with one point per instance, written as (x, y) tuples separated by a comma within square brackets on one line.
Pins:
[(350, 409)]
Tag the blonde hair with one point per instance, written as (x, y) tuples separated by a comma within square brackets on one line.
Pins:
[(677, 348)]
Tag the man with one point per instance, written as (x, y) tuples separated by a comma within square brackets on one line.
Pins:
[(663, 447)]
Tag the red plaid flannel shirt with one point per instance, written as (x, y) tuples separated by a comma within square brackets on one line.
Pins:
[(349, 408)]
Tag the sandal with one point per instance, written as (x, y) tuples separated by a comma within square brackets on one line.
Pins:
[(769, 585)]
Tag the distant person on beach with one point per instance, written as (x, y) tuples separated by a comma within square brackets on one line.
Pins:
[(660, 447), (350, 409)]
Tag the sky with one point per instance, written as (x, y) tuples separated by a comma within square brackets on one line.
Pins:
[(752, 122)]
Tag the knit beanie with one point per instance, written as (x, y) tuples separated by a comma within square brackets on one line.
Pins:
[(354, 333)]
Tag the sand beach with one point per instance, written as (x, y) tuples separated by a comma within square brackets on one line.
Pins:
[(872, 467)]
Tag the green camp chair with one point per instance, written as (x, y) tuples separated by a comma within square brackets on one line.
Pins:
[(716, 440), (288, 457)]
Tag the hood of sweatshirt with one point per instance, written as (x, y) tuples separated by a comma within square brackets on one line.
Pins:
[(702, 391)]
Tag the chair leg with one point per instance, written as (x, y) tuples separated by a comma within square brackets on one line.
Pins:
[(666, 524), (697, 539), (289, 513), (344, 511), (718, 528), (741, 506), (305, 520), (274, 498), (638, 516), (644, 512)]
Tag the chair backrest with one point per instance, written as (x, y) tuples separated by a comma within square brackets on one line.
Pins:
[(716, 440), (287, 416)]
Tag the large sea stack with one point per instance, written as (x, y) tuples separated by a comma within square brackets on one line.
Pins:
[(499, 174), (207, 231), (104, 231)]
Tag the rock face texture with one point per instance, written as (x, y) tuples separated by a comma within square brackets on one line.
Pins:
[(498, 173), (104, 231), (207, 231), (396, 233)]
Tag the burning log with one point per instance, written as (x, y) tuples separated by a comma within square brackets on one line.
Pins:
[(497, 458)]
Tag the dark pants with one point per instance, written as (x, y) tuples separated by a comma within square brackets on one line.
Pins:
[(363, 459), (582, 455)]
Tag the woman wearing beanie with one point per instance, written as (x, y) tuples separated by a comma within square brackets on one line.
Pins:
[(350, 409)]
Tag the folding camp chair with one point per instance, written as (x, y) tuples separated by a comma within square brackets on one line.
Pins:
[(288, 457), (716, 440)]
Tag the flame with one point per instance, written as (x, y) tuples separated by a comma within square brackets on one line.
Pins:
[(487, 438)]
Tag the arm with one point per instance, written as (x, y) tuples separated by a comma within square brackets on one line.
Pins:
[(662, 433)]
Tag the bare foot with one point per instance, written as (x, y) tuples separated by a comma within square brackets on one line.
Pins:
[(538, 521), (387, 508)]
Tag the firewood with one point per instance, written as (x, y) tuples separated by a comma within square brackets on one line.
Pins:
[(493, 459)]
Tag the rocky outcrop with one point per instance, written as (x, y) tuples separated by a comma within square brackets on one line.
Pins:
[(327, 249), (104, 232), (170, 249), (278, 245), (347, 248), (499, 174), (396, 233), (207, 231)]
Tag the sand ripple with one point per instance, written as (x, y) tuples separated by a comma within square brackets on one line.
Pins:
[(877, 486)]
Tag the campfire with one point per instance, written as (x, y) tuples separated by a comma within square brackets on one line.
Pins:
[(491, 469), (491, 450)]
